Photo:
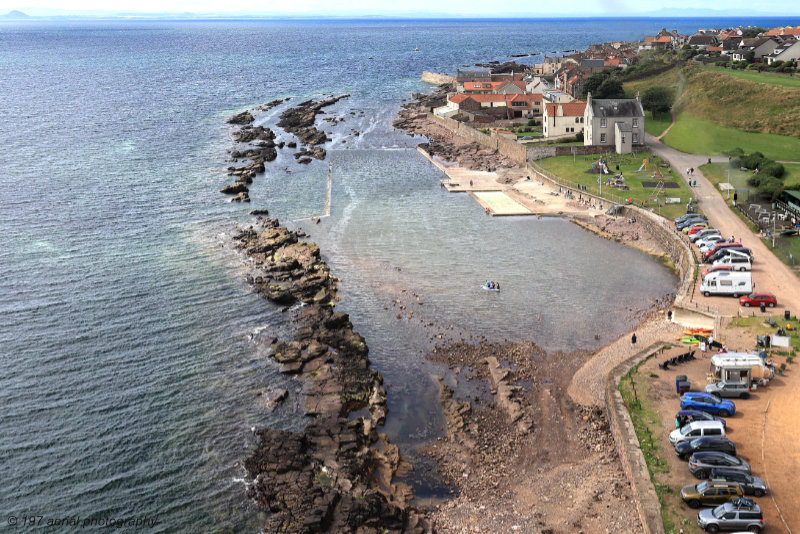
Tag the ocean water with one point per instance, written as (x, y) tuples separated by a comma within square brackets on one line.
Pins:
[(133, 350)]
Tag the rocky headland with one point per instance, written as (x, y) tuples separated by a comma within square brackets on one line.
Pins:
[(300, 120), (337, 475)]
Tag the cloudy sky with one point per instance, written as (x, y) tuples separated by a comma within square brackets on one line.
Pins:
[(575, 8)]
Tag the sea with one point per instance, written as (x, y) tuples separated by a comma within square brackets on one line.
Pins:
[(132, 348)]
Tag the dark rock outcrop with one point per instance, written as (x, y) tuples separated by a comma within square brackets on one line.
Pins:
[(245, 117), (249, 134), (234, 189), (331, 477), (300, 119)]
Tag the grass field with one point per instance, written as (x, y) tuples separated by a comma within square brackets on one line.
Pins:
[(656, 126), (574, 171), (668, 79), (699, 136), (770, 78), (743, 104)]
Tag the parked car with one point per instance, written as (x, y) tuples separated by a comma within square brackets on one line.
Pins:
[(714, 269), (697, 228), (724, 251), (690, 222), (696, 429), (719, 246), (739, 514), (708, 493), (696, 415), (739, 262), (706, 402), (685, 449), (702, 463), (730, 389), (757, 299), (686, 216), (706, 243), (702, 234), (750, 485)]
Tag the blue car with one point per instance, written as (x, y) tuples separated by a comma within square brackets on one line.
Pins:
[(696, 415), (706, 402)]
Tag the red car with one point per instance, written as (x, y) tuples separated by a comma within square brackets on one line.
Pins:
[(694, 229), (757, 299), (715, 268)]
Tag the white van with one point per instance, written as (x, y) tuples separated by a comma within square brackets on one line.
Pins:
[(727, 283), (737, 261), (696, 429)]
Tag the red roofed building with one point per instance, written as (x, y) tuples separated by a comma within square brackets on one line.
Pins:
[(499, 106), (563, 119)]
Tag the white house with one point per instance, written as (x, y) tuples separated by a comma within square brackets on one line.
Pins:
[(614, 122), (563, 119), (789, 51)]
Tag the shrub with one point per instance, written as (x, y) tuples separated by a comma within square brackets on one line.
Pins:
[(752, 161), (772, 168), (579, 136), (532, 122), (736, 163)]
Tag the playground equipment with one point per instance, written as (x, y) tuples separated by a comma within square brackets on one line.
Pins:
[(644, 167)]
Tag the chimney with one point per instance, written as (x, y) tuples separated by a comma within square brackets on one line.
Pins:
[(588, 99)]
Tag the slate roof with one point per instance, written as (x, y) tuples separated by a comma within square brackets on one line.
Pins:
[(593, 63), (469, 75), (617, 107), (622, 126)]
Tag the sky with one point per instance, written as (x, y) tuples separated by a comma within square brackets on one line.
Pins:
[(574, 8)]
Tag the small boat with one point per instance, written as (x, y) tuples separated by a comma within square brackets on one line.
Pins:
[(416, 49), (490, 288)]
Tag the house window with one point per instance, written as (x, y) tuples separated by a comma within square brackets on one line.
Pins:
[(576, 119), (635, 138), (602, 138), (581, 120), (602, 123), (623, 139), (635, 123)]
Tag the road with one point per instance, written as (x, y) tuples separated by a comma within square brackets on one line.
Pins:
[(778, 437)]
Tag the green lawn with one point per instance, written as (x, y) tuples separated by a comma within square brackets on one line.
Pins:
[(655, 126), (699, 136), (532, 132), (574, 171), (770, 78), (721, 172)]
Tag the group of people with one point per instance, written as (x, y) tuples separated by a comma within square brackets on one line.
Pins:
[(492, 285)]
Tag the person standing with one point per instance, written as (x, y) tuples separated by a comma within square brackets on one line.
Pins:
[(703, 347), (633, 339)]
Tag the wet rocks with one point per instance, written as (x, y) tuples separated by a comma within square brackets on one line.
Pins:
[(300, 119), (245, 117), (244, 196), (260, 212), (248, 134), (269, 105), (330, 477), (316, 153), (234, 189)]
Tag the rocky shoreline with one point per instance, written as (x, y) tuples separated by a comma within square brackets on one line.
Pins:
[(260, 142), (442, 143), (337, 475)]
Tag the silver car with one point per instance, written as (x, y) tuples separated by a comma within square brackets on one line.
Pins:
[(702, 234), (701, 463), (724, 388), (739, 514)]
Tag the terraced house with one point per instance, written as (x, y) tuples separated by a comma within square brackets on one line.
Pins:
[(563, 119)]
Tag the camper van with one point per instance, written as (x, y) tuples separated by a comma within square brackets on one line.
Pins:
[(747, 367), (737, 261), (727, 283)]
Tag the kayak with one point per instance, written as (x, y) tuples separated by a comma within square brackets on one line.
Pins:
[(690, 340), (788, 233)]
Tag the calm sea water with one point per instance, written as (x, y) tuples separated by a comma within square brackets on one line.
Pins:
[(132, 349)]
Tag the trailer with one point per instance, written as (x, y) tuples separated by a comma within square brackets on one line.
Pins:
[(747, 367), (730, 283)]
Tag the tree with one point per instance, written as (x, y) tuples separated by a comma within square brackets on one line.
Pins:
[(610, 88), (593, 83), (657, 100)]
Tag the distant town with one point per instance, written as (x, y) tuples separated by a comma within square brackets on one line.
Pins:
[(579, 96)]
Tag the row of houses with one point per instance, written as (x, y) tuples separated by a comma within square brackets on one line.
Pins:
[(777, 44)]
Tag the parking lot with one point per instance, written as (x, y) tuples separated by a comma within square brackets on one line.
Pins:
[(763, 427)]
